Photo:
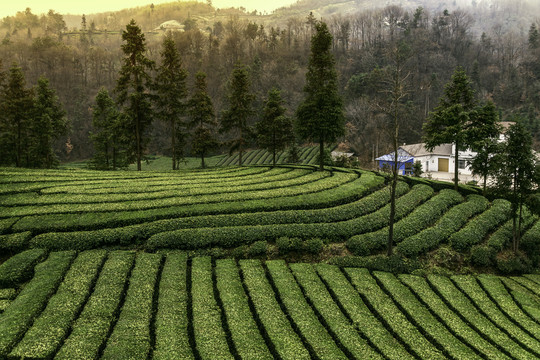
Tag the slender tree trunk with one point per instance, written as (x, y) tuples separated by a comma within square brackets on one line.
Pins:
[(514, 220), (321, 154), (274, 147), (456, 167), (172, 145), (519, 224), (114, 157), (485, 185), (202, 161), (395, 169), (19, 131), (138, 140), (241, 148), (107, 154)]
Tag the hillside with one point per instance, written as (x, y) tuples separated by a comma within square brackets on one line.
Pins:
[(292, 212), (94, 304)]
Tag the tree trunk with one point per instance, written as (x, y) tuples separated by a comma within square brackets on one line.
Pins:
[(514, 220), (107, 154), (274, 157), (321, 155), (395, 169), (202, 161), (19, 131), (138, 141), (114, 157), (172, 145), (519, 224), (456, 167)]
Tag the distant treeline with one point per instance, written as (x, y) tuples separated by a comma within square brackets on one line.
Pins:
[(504, 66)]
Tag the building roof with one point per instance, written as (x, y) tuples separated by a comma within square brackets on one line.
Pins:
[(417, 150), (171, 25), (403, 156)]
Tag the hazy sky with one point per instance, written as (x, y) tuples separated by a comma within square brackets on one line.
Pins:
[(78, 7)]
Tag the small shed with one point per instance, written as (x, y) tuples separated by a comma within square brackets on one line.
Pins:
[(405, 162)]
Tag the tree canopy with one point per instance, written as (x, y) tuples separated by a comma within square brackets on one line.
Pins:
[(132, 89), (320, 116)]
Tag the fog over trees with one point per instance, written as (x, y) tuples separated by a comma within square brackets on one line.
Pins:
[(497, 43)]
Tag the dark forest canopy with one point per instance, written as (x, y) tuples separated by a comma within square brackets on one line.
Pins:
[(496, 42)]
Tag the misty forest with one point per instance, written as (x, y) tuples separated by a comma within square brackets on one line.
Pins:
[(80, 59)]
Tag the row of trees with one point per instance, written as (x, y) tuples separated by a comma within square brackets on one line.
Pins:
[(31, 120), (121, 126)]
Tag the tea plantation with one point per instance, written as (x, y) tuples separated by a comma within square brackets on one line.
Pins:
[(116, 265), (123, 304)]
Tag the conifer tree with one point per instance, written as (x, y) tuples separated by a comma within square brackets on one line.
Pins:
[(48, 123), (236, 117), (15, 112), (449, 121), (274, 130), (320, 116), (516, 177), (107, 134), (202, 119), (483, 136), (132, 89), (171, 93)]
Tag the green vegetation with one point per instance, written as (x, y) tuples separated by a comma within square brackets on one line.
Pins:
[(93, 304)]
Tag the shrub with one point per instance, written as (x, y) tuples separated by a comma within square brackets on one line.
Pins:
[(257, 248), (482, 255), (510, 263), (447, 225), (20, 267), (314, 245), (394, 264), (286, 244), (475, 231)]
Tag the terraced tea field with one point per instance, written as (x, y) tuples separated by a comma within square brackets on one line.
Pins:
[(119, 304), (233, 207), (308, 155)]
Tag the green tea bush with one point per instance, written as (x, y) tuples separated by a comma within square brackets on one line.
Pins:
[(475, 231), (286, 244), (20, 267), (510, 263), (258, 248), (447, 225), (314, 245), (482, 255)]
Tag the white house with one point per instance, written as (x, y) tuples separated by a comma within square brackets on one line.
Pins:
[(441, 159)]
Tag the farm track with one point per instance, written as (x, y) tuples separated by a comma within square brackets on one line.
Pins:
[(201, 308)]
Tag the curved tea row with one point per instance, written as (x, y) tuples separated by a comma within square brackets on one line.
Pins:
[(93, 304)]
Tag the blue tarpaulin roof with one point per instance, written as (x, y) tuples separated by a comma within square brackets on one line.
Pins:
[(403, 156)]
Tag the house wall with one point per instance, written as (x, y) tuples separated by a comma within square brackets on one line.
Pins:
[(402, 166), (430, 163)]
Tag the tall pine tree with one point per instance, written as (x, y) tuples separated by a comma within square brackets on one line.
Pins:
[(109, 152), (132, 89), (16, 110), (236, 117), (320, 116), (171, 94), (450, 120), (516, 176), (274, 130), (202, 119), (48, 123)]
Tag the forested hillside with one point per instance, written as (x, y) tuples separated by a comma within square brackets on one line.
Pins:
[(496, 42)]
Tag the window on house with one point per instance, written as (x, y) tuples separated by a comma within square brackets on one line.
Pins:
[(408, 168), (462, 164)]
